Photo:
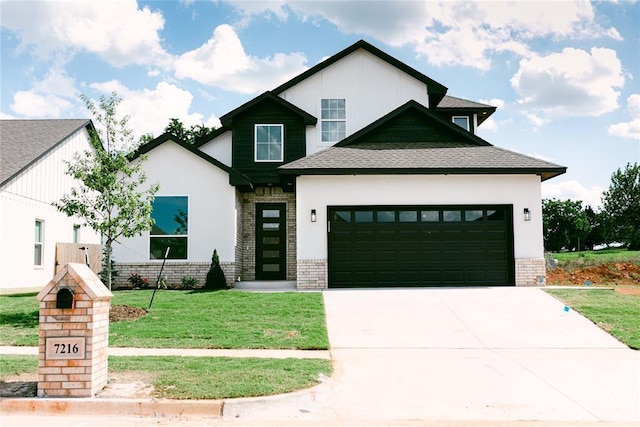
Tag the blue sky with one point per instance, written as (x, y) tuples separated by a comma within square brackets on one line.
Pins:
[(565, 75)]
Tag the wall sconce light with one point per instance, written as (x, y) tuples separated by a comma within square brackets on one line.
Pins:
[(313, 215), (527, 214)]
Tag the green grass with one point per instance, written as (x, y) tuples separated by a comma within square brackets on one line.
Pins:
[(603, 256), (204, 377), (179, 319), (615, 313)]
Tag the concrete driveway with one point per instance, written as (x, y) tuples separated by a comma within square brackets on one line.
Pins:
[(462, 354)]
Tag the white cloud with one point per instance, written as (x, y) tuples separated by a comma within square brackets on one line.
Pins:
[(573, 190), (150, 109), (117, 31), (573, 82), (54, 96), (630, 129), (5, 116), (222, 62)]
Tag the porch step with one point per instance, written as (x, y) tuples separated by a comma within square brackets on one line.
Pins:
[(266, 285)]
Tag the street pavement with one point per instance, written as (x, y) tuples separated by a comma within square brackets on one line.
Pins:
[(445, 357)]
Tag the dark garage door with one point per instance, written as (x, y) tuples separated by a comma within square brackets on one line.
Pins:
[(420, 246)]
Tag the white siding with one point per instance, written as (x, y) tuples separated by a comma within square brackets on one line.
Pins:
[(28, 197), (219, 148), (211, 203), (371, 87), (318, 192)]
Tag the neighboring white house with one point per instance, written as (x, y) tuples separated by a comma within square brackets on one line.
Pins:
[(32, 177), (359, 172)]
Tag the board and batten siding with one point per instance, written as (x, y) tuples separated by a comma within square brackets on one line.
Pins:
[(27, 197), (372, 88)]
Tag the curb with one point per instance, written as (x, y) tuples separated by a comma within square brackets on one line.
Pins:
[(124, 407)]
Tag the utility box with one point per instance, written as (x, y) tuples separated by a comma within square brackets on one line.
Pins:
[(73, 336)]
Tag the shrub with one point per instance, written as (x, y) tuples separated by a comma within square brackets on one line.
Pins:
[(137, 280), (188, 282), (215, 276)]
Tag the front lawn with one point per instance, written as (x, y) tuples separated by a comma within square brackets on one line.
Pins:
[(615, 313), (201, 377), (197, 319)]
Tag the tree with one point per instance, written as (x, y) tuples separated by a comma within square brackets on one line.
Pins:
[(565, 224), (176, 128), (621, 204), (110, 199)]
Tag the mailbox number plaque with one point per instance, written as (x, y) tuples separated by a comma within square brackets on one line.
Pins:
[(65, 348)]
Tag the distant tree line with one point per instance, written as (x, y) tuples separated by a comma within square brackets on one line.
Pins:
[(567, 225), (178, 129)]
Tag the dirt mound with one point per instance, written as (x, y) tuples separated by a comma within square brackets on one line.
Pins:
[(119, 313), (625, 275)]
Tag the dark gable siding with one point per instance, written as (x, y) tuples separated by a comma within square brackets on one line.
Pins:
[(448, 117), (267, 112), (412, 126)]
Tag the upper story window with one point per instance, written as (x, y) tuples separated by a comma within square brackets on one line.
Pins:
[(171, 228), (462, 121), (76, 233), (333, 119), (38, 252), (269, 143)]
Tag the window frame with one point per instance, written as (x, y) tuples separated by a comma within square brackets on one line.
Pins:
[(468, 120), (333, 120), (170, 236), (76, 233), (38, 243), (268, 143)]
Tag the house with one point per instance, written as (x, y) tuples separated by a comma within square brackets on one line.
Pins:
[(359, 172), (32, 177)]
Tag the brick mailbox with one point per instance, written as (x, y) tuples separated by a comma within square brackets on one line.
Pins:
[(73, 334)]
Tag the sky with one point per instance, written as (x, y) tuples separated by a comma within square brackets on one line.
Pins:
[(565, 75)]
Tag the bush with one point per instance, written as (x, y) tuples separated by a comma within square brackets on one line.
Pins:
[(215, 277), (188, 282), (137, 280)]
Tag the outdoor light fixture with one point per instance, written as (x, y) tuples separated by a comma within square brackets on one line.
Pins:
[(527, 214), (313, 215)]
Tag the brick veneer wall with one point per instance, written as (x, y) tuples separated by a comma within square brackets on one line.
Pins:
[(312, 274), (530, 272), (89, 319), (248, 248), (172, 272)]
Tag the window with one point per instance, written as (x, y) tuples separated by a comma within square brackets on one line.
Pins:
[(38, 249), (462, 121), (76, 233), (333, 117), (171, 228), (269, 143)]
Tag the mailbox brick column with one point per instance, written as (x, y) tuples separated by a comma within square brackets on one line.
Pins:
[(74, 334)]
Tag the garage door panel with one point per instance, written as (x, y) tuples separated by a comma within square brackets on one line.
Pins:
[(421, 246)]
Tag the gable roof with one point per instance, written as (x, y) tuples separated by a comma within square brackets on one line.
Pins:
[(436, 90), (23, 142), (453, 104), (227, 119), (360, 153), (145, 148)]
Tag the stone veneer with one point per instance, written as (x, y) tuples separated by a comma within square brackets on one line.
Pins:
[(312, 274), (172, 273), (84, 374), (248, 224), (530, 272)]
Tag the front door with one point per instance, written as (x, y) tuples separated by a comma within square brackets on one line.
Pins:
[(271, 238)]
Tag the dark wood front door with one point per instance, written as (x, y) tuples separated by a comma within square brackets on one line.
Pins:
[(271, 237)]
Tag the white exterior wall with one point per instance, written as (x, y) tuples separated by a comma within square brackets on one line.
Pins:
[(319, 192), (28, 197), (219, 148), (212, 220), (372, 88)]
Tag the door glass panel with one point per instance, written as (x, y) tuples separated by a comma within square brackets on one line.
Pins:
[(473, 215), (270, 240), (270, 254), (271, 267), (408, 216), (271, 226), (271, 213), (494, 215), (342, 216), (386, 216), (430, 216), (452, 216), (364, 216)]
